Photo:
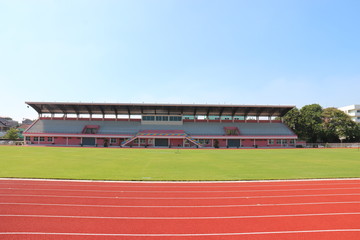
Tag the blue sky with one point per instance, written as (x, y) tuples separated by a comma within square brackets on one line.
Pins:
[(281, 52)]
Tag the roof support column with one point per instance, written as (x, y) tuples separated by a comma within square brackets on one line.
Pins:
[(116, 114)]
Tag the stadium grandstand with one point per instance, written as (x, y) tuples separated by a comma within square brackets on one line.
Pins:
[(159, 125)]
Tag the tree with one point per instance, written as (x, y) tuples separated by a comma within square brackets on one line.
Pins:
[(310, 122), (338, 125), (292, 118), (12, 134)]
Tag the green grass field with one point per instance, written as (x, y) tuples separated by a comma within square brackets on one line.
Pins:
[(177, 164)]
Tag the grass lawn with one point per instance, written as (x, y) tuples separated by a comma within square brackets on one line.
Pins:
[(177, 164)]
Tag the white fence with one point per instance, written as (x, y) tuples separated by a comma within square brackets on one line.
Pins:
[(11, 142), (333, 145)]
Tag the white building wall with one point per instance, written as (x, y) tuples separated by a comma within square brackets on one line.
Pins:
[(353, 111)]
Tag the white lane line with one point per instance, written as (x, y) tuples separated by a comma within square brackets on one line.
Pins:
[(182, 182), (181, 234), (162, 191), (182, 218), (182, 206), (239, 185), (179, 198)]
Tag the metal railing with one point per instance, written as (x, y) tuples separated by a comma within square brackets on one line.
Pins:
[(333, 145), (11, 142)]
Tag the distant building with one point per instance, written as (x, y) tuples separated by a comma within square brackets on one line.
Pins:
[(3, 128), (5, 124), (22, 128), (353, 111), (27, 121)]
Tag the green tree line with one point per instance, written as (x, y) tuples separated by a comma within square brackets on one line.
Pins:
[(313, 123)]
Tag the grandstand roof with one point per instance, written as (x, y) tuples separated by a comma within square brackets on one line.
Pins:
[(152, 108)]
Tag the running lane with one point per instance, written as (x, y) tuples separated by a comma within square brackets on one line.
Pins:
[(34, 209)]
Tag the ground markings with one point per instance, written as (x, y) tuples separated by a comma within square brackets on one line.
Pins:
[(340, 216)]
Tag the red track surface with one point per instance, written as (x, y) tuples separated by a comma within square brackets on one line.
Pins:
[(326, 209)]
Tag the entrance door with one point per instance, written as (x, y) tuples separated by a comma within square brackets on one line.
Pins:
[(233, 142), (161, 142), (88, 141)]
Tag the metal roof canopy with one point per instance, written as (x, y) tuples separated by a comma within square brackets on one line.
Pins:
[(158, 109)]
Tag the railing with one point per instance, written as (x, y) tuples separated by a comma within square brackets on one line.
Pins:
[(11, 142), (123, 143), (193, 140), (332, 145)]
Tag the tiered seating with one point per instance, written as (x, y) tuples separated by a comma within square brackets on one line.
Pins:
[(77, 126), (134, 127), (58, 126), (264, 129)]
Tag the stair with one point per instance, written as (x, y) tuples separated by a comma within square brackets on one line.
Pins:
[(123, 143), (188, 137)]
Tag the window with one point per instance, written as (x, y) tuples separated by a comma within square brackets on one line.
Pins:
[(27, 138), (148, 118), (231, 130), (204, 141), (36, 138), (142, 141), (91, 130), (278, 141), (284, 141), (175, 118), (271, 141), (42, 139), (113, 140), (50, 139), (292, 141), (162, 118)]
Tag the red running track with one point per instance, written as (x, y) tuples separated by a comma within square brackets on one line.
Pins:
[(320, 209)]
